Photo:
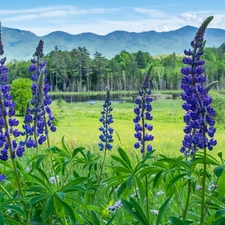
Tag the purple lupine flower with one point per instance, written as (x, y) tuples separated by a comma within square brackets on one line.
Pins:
[(2, 177), (143, 115), (8, 131), (39, 118), (106, 119), (199, 130)]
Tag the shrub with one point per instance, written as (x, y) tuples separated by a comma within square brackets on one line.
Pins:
[(21, 93)]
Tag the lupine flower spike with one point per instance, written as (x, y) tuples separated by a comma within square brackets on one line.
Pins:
[(39, 118), (143, 115), (9, 146), (8, 124), (106, 136), (199, 130), (106, 119)]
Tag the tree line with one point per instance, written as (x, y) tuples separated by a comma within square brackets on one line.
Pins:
[(77, 71)]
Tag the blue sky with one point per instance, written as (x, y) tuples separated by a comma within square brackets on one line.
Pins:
[(104, 16)]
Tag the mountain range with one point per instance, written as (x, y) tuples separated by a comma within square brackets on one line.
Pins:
[(21, 44)]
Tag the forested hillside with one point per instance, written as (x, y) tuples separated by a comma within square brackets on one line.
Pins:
[(76, 71)]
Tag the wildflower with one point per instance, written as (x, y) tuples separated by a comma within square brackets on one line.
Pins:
[(198, 187), (155, 211), (38, 120), (212, 187), (199, 130), (52, 180), (159, 193), (8, 124), (106, 136), (2, 177), (143, 114), (116, 206)]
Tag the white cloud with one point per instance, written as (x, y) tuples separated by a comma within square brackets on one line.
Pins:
[(49, 12), (154, 13), (74, 20)]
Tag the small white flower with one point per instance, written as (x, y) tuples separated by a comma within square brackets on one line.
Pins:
[(9, 211), (159, 193), (153, 175), (198, 187), (52, 180), (27, 169), (155, 211), (212, 187), (116, 205)]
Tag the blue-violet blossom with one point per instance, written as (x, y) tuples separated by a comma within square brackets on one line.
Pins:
[(143, 115), (199, 130), (106, 119), (39, 118), (9, 146)]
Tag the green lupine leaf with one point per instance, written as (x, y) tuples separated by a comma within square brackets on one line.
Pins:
[(220, 221), (124, 156), (34, 200), (130, 208), (13, 222), (175, 179), (162, 211), (121, 188), (176, 221), (218, 171), (95, 217), (48, 209), (2, 218), (77, 150)]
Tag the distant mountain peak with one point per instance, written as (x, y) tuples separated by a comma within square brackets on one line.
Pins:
[(20, 44)]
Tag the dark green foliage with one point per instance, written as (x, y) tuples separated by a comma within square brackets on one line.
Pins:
[(21, 93)]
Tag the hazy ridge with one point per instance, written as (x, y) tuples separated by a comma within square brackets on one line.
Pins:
[(20, 44)]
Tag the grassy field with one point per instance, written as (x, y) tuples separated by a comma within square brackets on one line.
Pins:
[(79, 123)]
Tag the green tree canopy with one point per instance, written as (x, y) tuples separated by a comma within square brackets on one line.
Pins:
[(21, 93)]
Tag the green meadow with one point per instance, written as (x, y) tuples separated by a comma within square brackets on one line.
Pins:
[(79, 124)]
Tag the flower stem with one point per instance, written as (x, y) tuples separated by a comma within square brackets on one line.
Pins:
[(203, 190), (5, 191), (187, 201), (147, 197)]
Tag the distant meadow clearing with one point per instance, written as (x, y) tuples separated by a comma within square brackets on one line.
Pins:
[(79, 124)]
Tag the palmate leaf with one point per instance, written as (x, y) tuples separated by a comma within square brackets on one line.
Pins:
[(134, 209), (175, 179), (220, 212), (162, 211), (14, 208), (176, 221), (218, 171), (13, 222), (119, 160), (199, 159), (77, 150), (211, 85), (67, 208), (157, 178), (111, 220), (221, 184), (121, 188), (48, 209), (124, 156), (95, 217), (220, 221), (38, 198), (65, 147), (2, 218), (141, 189)]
